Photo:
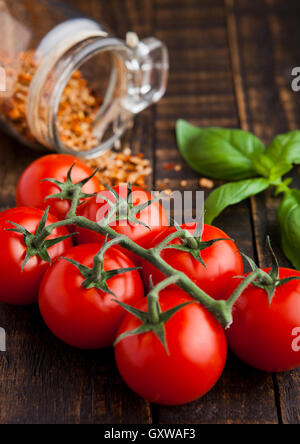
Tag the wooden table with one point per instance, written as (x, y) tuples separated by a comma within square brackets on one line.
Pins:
[(231, 66)]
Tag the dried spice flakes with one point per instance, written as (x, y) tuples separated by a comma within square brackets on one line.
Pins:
[(122, 167), (206, 183)]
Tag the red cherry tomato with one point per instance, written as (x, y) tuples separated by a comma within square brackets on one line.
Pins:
[(96, 208), (21, 288), (32, 192), (222, 260), (265, 335), (197, 353), (87, 318)]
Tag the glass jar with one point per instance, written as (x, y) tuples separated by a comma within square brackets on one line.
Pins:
[(70, 85)]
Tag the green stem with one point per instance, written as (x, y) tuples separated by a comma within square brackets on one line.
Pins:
[(217, 308), (169, 239), (153, 311), (244, 284), (75, 201), (220, 309), (152, 256), (282, 186), (163, 284), (99, 259), (153, 299), (97, 268), (38, 241)]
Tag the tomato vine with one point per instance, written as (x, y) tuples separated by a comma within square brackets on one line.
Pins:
[(221, 309)]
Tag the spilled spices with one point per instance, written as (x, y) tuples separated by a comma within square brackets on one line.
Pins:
[(206, 183), (169, 166), (122, 167)]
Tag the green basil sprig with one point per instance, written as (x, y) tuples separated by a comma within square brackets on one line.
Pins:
[(226, 154), (285, 148), (240, 157), (289, 220), (232, 193)]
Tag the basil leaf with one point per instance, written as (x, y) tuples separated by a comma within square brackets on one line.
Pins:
[(224, 154), (279, 170), (285, 148), (263, 165), (289, 220), (230, 194)]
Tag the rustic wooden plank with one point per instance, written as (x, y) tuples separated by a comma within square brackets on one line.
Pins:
[(171, 5), (41, 379), (265, 40), (36, 382), (202, 91), (286, 52), (113, 401)]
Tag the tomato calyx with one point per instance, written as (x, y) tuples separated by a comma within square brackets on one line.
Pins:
[(154, 319), (96, 277), (191, 243), (269, 281), (123, 208), (68, 189), (37, 244)]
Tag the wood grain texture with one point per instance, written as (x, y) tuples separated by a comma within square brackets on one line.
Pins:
[(266, 45), (42, 380), (230, 66), (201, 90), (113, 402)]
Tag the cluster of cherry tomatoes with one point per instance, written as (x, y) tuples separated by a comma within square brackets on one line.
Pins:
[(63, 278)]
